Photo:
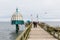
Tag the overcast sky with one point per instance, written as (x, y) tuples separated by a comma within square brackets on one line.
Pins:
[(46, 9)]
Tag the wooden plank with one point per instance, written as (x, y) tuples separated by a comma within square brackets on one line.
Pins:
[(39, 34)]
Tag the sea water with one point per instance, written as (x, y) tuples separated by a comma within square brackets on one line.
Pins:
[(53, 23), (7, 31)]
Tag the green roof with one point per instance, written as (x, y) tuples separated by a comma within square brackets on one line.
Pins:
[(17, 22)]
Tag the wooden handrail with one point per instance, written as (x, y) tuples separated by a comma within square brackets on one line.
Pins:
[(24, 35), (52, 30)]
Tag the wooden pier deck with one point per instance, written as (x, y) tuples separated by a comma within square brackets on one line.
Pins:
[(40, 34)]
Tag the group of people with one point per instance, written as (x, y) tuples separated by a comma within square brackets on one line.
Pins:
[(35, 24)]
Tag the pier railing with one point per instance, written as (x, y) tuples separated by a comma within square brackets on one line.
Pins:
[(24, 35), (54, 31)]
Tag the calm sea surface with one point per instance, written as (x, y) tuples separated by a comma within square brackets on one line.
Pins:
[(53, 23), (7, 31)]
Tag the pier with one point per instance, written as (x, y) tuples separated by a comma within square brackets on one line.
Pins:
[(37, 33), (34, 30), (40, 34)]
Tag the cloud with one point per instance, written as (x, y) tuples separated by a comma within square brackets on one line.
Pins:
[(28, 7)]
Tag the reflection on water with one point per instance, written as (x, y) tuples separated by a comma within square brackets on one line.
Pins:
[(7, 31), (14, 35)]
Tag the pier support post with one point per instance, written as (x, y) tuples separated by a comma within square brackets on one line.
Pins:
[(17, 28)]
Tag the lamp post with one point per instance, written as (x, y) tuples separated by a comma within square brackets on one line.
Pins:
[(37, 17)]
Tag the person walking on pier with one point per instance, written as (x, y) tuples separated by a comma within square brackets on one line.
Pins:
[(35, 24)]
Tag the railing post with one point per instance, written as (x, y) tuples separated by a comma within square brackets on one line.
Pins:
[(58, 35), (53, 33), (25, 34)]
